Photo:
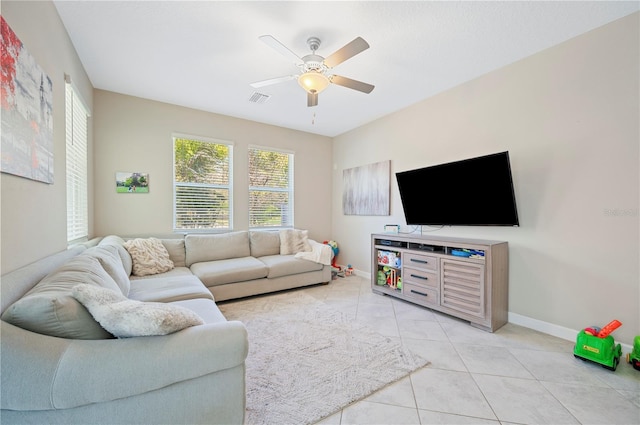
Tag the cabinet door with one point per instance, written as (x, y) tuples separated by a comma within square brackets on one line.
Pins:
[(463, 286)]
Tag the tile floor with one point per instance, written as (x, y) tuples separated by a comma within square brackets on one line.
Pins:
[(513, 376)]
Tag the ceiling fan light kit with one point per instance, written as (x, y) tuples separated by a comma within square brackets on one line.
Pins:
[(315, 75), (313, 81)]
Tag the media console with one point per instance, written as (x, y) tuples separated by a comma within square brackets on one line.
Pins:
[(465, 278)]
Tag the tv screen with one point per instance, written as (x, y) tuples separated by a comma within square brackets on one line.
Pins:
[(472, 192)]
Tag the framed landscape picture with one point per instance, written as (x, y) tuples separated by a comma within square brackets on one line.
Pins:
[(132, 182)]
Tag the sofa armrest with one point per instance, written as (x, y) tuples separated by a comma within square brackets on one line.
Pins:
[(64, 373)]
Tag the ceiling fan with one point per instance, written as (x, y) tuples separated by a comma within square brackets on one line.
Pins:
[(315, 70)]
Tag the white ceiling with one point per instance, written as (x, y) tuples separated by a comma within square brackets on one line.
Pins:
[(204, 54)]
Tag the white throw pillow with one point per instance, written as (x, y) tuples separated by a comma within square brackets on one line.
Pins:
[(126, 318), (293, 241), (149, 256)]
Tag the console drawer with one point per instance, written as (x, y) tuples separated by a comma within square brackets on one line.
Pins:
[(420, 294), (420, 277), (420, 261)]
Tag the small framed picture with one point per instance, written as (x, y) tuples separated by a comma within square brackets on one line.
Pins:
[(132, 182)]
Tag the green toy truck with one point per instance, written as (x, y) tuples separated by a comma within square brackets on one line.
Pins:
[(634, 356), (596, 345)]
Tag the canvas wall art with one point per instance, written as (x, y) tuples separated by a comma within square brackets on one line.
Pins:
[(27, 112), (366, 189), (132, 182)]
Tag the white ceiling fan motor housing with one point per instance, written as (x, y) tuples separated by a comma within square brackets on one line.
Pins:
[(313, 62)]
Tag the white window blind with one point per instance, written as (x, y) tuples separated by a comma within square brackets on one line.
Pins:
[(270, 188), (202, 184), (77, 166)]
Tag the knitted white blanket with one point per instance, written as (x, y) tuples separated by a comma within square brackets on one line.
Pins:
[(320, 253)]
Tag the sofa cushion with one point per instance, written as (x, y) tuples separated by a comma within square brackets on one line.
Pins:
[(149, 256), (118, 242), (111, 262), (220, 272), (216, 247), (174, 272), (169, 288), (50, 309), (126, 318), (206, 309), (285, 265), (293, 241), (264, 243), (176, 250)]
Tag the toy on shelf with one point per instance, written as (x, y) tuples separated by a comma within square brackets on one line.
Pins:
[(634, 356), (389, 276), (389, 258), (598, 346)]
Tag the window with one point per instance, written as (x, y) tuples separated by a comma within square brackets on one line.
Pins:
[(201, 184), (76, 115), (270, 188)]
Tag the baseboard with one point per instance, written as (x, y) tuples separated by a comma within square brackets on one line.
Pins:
[(551, 329), (544, 327), (528, 322), (362, 274)]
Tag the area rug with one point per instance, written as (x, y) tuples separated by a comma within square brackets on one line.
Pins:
[(307, 361)]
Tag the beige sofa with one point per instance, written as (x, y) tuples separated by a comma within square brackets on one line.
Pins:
[(240, 264), (59, 365)]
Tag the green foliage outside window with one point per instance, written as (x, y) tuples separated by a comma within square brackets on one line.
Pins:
[(270, 188), (202, 184)]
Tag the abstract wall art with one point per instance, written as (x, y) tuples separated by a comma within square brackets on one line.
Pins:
[(366, 189), (27, 112)]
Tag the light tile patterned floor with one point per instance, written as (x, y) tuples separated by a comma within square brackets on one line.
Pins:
[(513, 376)]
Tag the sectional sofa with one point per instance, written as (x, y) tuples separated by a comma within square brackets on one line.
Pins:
[(76, 345)]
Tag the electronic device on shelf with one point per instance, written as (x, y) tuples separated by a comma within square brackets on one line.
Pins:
[(430, 248), (387, 242)]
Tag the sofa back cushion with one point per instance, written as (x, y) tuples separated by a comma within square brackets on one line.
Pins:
[(17, 283), (216, 247), (111, 262), (264, 243), (50, 309), (118, 242), (175, 248)]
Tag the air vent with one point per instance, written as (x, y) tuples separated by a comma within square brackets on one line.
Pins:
[(259, 97)]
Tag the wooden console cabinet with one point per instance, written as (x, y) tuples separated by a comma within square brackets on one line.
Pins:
[(424, 270)]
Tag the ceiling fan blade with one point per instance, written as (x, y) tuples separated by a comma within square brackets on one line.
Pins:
[(312, 99), (348, 51), (281, 48), (271, 81), (352, 84)]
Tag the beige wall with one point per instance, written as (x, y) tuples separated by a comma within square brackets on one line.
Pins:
[(34, 215), (569, 118), (135, 135)]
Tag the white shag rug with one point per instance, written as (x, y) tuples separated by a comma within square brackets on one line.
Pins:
[(307, 361)]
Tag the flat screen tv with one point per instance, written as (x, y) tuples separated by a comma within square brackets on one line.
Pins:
[(472, 192)]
